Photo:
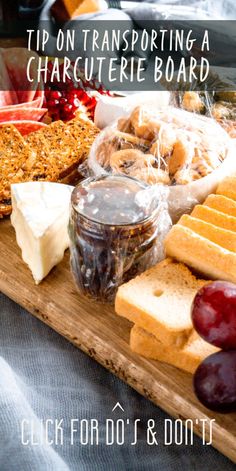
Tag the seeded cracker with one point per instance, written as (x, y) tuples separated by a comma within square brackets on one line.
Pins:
[(51, 154), (60, 149), (14, 153)]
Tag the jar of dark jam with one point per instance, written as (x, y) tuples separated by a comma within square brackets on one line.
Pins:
[(113, 233)]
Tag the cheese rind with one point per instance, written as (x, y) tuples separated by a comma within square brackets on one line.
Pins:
[(40, 218)]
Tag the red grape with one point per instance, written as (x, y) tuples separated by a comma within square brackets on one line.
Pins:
[(215, 382), (214, 314)]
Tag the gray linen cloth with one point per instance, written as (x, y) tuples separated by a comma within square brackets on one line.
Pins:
[(43, 376)]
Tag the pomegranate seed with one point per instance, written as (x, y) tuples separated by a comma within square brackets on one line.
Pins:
[(53, 103), (64, 99), (55, 94), (68, 116), (63, 102), (74, 102), (68, 108)]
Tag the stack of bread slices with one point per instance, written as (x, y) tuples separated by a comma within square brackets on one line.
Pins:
[(200, 247)]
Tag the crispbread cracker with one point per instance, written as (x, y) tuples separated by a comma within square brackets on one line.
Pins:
[(14, 153), (65, 147), (55, 154)]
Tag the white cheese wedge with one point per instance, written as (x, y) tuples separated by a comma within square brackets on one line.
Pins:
[(40, 218)]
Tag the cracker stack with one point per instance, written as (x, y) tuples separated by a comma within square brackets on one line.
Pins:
[(14, 153), (159, 301), (51, 154)]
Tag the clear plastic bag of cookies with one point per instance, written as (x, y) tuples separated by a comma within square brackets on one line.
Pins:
[(168, 146), (219, 104)]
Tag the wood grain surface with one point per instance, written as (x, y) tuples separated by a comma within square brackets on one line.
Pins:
[(96, 330)]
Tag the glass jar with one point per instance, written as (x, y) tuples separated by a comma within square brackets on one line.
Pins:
[(114, 227)]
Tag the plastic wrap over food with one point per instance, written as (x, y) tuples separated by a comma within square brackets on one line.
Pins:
[(219, 105), (109, 108), (117, 227), (187, 152)]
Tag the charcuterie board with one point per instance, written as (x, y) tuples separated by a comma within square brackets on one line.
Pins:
[(99, 332)]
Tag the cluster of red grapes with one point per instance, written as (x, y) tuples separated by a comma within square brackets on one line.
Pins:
[(64, 99), (214, 318)]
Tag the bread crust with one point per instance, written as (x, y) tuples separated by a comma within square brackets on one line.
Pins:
[(201, 254), (222, 237), (221, 203), (187, 358), (228, 187), (215, 217), (166, 316)]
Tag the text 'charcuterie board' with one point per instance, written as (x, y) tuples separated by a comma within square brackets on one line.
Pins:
[(97, 331)]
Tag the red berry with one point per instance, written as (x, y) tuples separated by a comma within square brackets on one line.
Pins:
[(67, 112), (53, 103), (60, 94), (214, 314), (68, 108), (63, 102), (80, 94), (47, 91), (74, 102), (69, 116), (55, 95)]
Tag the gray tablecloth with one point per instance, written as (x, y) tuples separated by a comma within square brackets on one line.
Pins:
[(42, 376)]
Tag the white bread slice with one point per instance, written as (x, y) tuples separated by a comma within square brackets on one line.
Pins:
[(159, 300), (214, 217), (201, 254), (222, 237), (188, 358), (221, 203), (227, 187)]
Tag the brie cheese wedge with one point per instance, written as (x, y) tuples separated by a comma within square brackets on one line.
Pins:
[(40, 216)]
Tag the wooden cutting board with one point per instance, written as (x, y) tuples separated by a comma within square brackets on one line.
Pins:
[(96, 330)]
